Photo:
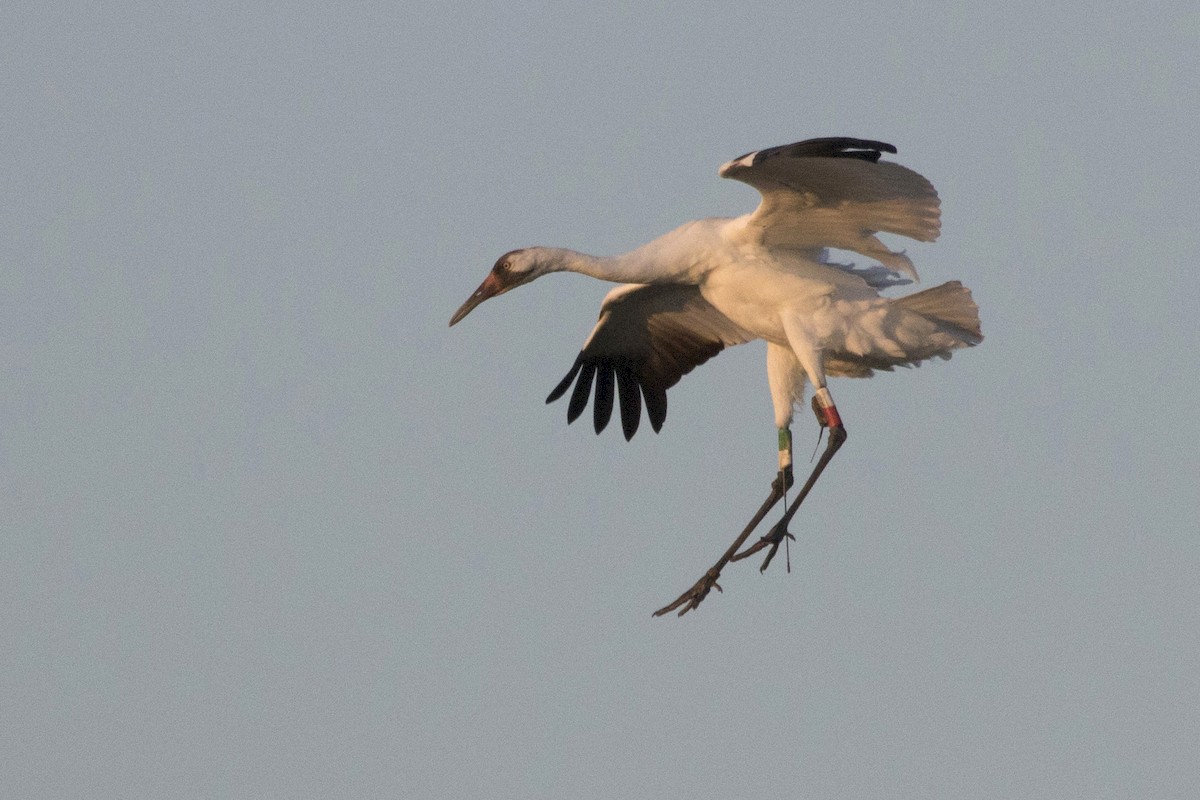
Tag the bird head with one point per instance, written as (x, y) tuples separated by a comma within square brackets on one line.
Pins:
[(511, 270)]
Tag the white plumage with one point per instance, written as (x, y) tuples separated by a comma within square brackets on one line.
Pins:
[(714, 283)]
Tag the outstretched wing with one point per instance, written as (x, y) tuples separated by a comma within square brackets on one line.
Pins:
[(647, 338), (836, 192)]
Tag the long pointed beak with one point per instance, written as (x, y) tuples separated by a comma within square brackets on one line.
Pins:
[(490, 287)]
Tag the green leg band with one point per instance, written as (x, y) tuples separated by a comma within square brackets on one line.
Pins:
[(785, 449)]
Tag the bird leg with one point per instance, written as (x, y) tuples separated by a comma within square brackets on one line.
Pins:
[(827, 415), (708, 581)]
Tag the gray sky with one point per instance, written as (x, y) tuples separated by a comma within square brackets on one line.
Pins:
[(271, 529)]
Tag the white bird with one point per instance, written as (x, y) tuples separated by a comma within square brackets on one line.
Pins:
[(714, 283)]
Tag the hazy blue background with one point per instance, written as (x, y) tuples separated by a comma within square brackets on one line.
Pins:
[(270, 529)]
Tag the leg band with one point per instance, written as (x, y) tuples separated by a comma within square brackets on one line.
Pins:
[(785, 449), (829, 412)]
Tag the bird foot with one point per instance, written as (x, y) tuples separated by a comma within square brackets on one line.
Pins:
[(773, 539), (695, 595)]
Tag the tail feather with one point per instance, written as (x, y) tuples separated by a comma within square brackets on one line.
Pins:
[(950, 306), (911, 329)]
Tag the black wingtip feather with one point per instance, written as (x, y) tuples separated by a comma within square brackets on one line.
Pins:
[(583, 388), (561, 388), (607, 377), (656, 406), (603, 407), (829, 147), (631, 402)]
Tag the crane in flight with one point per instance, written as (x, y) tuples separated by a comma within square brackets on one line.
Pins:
[(715, 283)]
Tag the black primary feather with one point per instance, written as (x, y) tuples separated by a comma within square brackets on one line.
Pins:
[(603, 406)]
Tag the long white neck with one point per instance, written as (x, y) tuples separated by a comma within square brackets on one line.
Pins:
[(626, 268), (683, 255)]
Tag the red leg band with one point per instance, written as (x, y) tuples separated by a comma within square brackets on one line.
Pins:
[(829, 412), (832, 418)]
